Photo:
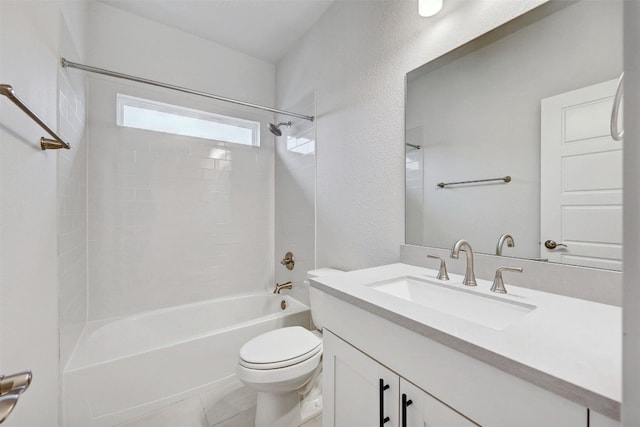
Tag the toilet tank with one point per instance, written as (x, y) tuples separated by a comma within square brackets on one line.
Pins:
[(316, 297)]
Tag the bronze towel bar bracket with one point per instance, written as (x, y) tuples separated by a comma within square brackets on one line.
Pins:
[(45, 143)]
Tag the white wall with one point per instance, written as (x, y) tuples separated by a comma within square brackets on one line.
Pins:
[(124, 42), (174, 219), (31, 42), (355, 58), (488, 132)]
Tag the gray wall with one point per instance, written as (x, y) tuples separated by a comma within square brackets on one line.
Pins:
[(631, 285), (355, 58)]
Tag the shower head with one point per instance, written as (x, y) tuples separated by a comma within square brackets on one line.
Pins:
[(275, 129)]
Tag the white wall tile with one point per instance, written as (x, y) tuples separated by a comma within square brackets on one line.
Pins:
[(72, 206), (166, 225), (174, 219)]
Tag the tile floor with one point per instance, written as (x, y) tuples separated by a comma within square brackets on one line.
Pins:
[(231, 405)]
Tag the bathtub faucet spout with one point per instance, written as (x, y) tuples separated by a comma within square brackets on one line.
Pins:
[(278, 288)]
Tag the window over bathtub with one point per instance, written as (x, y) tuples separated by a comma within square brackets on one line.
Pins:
[(157, 116)]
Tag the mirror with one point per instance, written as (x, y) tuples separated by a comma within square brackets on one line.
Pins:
[(530, 100)]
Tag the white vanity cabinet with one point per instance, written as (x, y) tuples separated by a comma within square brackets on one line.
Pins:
[(420, 409), (597, 420), (556, 366), (360, 347), (358, 391)]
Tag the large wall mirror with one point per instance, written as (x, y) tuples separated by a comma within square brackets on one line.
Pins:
[(531, 101)]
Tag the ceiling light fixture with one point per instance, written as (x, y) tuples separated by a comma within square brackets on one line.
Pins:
[(428, 8)]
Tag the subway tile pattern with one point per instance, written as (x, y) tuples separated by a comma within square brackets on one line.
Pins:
[(173, 219), (72, 211)]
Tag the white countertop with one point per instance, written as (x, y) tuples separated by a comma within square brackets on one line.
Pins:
[(569, 346)]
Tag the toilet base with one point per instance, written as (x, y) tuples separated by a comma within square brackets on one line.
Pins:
[(278, 409)]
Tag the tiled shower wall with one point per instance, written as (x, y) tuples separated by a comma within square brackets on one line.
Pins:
[(174, 219), (295, 195), (72, 204)]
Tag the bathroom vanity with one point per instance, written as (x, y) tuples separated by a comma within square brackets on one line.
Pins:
[(402, 348)]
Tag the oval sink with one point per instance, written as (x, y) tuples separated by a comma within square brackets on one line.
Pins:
[(486, 310)]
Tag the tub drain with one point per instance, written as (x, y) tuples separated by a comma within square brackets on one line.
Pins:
[(283, 304)]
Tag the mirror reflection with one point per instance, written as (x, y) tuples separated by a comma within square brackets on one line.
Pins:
[(525, 112)]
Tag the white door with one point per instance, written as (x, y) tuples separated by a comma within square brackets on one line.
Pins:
[(581, 179), (357, 390), (597, 420), (420, 409)]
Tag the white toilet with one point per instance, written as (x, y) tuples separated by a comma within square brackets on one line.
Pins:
[(279, 363)]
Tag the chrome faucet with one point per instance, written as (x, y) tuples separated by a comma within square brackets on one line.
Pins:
[(469, 276), (504, 238), (278, 288)]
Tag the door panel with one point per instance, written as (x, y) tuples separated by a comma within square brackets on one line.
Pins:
[(581, 179), (427, 411), (352, 387)]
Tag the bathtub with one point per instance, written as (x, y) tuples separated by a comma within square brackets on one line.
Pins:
[(127, 367)]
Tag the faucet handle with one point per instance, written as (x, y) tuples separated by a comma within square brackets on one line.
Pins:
[(442, 272), (498, 283), (288, 261)]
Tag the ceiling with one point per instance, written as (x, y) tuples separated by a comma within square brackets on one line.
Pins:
[(264, 29)]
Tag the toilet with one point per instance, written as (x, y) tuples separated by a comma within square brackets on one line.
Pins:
[(282, 364)]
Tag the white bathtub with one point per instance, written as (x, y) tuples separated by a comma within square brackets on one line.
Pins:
[(123, 368)]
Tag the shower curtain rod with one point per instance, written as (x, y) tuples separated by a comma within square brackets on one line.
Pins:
[(69, 64)]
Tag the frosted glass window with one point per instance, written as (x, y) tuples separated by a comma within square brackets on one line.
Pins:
[(156, 116)]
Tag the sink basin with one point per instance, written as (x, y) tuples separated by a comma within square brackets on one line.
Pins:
[(486, 310)]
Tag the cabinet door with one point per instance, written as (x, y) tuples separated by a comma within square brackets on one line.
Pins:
[(357, 390), (420, 409), (597, 420)]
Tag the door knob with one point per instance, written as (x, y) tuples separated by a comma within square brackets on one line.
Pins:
[(550, 244)]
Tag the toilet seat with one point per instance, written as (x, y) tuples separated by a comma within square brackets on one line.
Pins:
[(280, 348), (282, 363), (280, 380)]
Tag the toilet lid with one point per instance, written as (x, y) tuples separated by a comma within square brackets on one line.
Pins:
[(279, 348)]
